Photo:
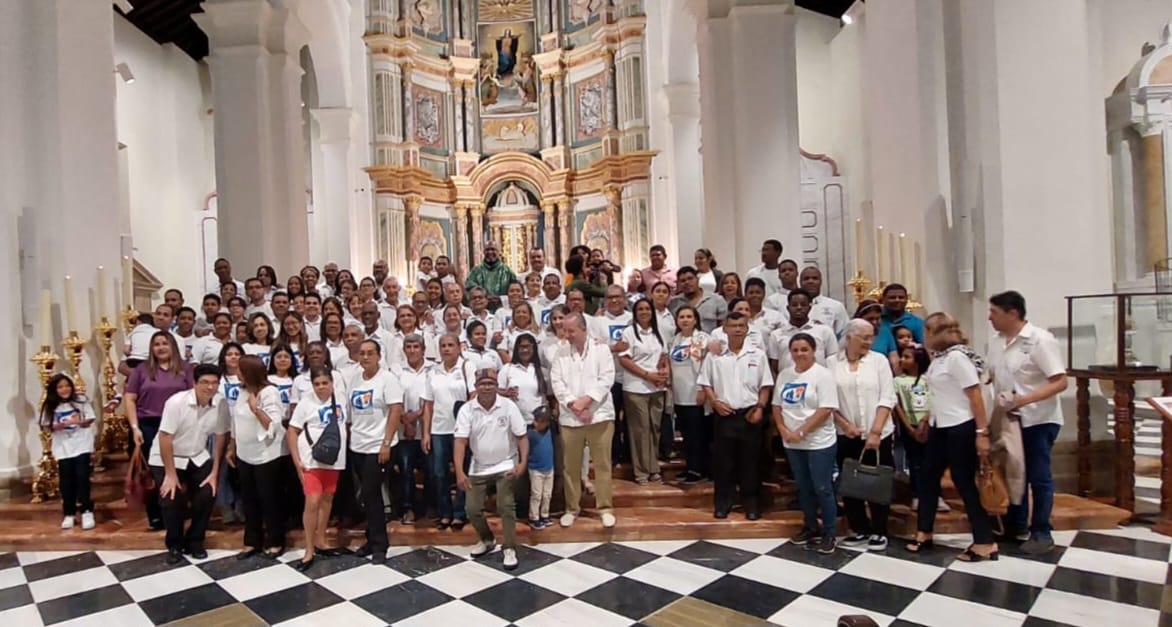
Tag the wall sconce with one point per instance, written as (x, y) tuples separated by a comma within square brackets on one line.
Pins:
[(123, 70)]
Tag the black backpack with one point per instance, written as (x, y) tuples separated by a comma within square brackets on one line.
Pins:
[(329, 443)]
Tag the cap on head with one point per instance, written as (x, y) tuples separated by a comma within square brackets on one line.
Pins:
[(486, 374)]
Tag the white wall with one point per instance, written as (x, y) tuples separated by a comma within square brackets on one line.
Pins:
[(163, 121), (816, 120)]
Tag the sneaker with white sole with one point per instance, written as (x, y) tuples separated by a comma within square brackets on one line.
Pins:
[(568, 519), (87, 520), (510, 559), (877, 543), (67, 522), (855, 541), (481, 548), (608, 520)]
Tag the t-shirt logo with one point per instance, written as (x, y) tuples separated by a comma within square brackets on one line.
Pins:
[(231, 391), (681, 353), (546, 315), (508, 320), (500, 422), (284, 390), (264, 357), (327, 414), (362, 399), (69, 417), (793, 393), (616, 332)]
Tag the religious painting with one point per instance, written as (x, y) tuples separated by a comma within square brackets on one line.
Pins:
[(595, 230), (580, 12), (510, 133), (504, 10), (508, 72), (429, 117), (591, 115), (434, 237), (427, 16)]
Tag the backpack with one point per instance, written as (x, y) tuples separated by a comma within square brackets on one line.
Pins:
[(329, 443)]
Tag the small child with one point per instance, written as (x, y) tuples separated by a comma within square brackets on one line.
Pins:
[(914, 411), (540, 469), (70, 418), (138, 343)]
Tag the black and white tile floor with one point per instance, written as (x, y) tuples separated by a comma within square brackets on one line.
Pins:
[(1112, 577)]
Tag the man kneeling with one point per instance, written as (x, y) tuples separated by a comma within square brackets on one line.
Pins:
[(492, 427), (182, 468)]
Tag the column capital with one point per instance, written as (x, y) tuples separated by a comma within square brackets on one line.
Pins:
[(613, 193), (683, 99), (333, 123), (412, 202)]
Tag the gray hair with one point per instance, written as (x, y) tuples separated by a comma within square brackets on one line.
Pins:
[(854, 327), (576, 317), (413, 338)]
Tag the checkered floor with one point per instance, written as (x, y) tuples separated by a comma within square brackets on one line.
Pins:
[(1114, 577)]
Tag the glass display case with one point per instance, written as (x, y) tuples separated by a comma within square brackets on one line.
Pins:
[(1119, 333)]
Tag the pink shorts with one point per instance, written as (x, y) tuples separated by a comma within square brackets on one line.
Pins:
[(321, 480)]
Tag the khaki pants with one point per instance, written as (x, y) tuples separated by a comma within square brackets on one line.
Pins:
[(505, 507), (540, 491), (644, 413), (597, 436)]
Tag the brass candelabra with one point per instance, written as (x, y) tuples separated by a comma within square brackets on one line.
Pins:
[(129, 319), (46, 485), (74, 351), (113, 433), (861, 288)]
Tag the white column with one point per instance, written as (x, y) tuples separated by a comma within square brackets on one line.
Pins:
[(331, 200), (559, 87), (718, 153), (59, 211), (686, 186), (260, 154)]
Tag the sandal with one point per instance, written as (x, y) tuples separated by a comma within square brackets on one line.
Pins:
[(443, 523), (919, 546), (969, 555)]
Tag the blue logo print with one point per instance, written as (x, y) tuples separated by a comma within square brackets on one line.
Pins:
[(70, 417), (231, 391), (680, 353), (362, 399), (794, 393), (327, 414), (616, 332), (284, 390), (546, 314), (264, 357)]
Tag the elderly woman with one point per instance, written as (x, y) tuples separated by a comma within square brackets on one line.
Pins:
[(958, 439), (866, 396)]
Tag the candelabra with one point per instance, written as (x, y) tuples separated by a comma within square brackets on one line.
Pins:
[(129, 319), (859, 286), (113, 432), (46, 484), (74, 348)]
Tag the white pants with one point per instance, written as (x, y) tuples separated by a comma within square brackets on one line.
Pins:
[(540, 491)]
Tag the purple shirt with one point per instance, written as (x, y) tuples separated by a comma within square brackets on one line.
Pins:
[(153, 394)]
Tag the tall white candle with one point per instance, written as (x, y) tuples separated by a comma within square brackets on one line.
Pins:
[(46, 318), (890, 245), (102, 292), (127, 282), (859, 244), (70, 314), (881, 267), (904, 260), (919, 288)]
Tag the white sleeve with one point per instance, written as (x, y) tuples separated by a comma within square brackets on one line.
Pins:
[(557, 380), (766, 378), (827, 390), (1048, 357), (704, 379), (392, 390), (887, 396), (463, 422)]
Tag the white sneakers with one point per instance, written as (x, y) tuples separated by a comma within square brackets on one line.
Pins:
[(510, 559), (87, 521), (608, 520), (481, 548), (67, 522), (568, 519)]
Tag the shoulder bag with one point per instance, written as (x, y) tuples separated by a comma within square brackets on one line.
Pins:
[(866, 483), (329, 443), (139, 481)]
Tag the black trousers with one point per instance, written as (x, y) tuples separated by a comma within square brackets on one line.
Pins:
[(667, 434), (189, 499), (263, 490), (620, 443), (955, 449), (735, 453), (75, 484), (856, 510), (697, 430), (371, 476), (150, 428)]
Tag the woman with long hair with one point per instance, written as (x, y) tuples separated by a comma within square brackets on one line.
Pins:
[(402, 328), (332, 305), (958, 439), (367, 289), (258, 441), (295, 286), (151, 383), (521, 322), (332, 327), (69, 417), (268, 278), (706, 273), (449, 386), (293, 334), (644, 386), (319, 481), (730, 287), (866, 396), (686, 352), (284, 366), (260, 337), (522, 381)]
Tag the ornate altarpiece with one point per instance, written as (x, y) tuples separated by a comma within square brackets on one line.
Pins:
[(523, 121)]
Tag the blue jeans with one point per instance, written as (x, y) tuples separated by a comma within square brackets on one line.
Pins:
[(409, 455), (1037, 441), (814, 473), (442, 479)]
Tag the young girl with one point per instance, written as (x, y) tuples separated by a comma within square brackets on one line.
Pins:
[(283, 367), (70, 418), (319, 481), (914, 410), (477, 352), (293, 334)]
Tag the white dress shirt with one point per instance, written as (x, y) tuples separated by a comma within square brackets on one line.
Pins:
[(736, 378), (444, 388), (256, 445), (825, 349), (413, 382), (645, 349), (861, 393), (829, 312), (1025, 363), (588, 373), (492, 435), (190, 424)]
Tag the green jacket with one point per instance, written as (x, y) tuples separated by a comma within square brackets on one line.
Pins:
[(594, 293), (494, 280)]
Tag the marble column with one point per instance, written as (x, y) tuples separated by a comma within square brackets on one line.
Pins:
[(477, 212), (411, 204), (565, 227), (460, 235), (547, 111), (331, 212), (1155, 205), (408, 105), (458, 106), (611, 96), (549, 243), (559, 132), (472, 116)]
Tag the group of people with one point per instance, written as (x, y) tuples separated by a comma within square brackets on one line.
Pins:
[(324, 396)]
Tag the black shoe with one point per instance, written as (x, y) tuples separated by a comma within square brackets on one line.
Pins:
[(274, 554), (156, 524), (304, 565), (720, 513), (364, 551), (827, 545), (804, 537), (379, 557), (174, 556), (753, 515), (247, 553), (326, 552), (692, 479), (458, 524), (198, 553)]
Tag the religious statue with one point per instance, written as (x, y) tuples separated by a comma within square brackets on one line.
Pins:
[(428, 16), (582, 10), (506, 53)]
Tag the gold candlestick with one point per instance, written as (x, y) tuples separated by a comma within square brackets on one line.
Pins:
[(859, 286), (877, 292), (46, 485), (74, 351), (129, 319), (113, 432)]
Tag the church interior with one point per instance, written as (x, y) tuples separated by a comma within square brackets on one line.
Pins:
[(959, 148)]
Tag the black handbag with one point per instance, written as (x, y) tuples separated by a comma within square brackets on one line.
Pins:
[(873, 484)]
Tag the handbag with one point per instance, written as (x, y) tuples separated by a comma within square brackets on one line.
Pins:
[(139, 481), (329, 443), (991, 486), (859, 481)]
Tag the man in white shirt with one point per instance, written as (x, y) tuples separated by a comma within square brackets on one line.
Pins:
[(411, 372), (537, 264), (768, 270), (824, 309), (491, 428), (607, 326), (184, 471), (737, 384), (207, 348), (763, 321), (1029, 373), (222, 271), (389, 305), (257, 300), (312, 317), (185, 332), (787, 270), (581, 377), (374, 331), (551, 294), (444, 270), (777, 344)]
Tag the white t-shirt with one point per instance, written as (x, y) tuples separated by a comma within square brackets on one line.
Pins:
[(524, 378), (338, 352), (206, 350), (138, 343), (609, 329), (707, 281), (369, 401), (543, 308), (492, 435), (230, 390), (413, 383), (486, 358), (772, 278), (187, 345), (286, 393), (259, 350), (685, 356), (800, 395), (254, 444), (75, 439), (1024, 365), (303, 387), (948, 377), (444, 388), (312, 415), (645, 349), (312, 330)]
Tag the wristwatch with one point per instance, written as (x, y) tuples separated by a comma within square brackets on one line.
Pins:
[(387, 443), (984, 431)]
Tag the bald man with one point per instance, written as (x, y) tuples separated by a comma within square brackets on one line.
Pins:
[(493, 275), (823, 309)]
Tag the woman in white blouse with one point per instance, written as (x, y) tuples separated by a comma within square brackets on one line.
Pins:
[(958, 439), (260, 337), (866, 396), (522, 380), (449, 384), (521, 322), (331, 334), (258, 438), (706, 272), (645, 360), (478, 351), (406, 323), (686, 352)]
